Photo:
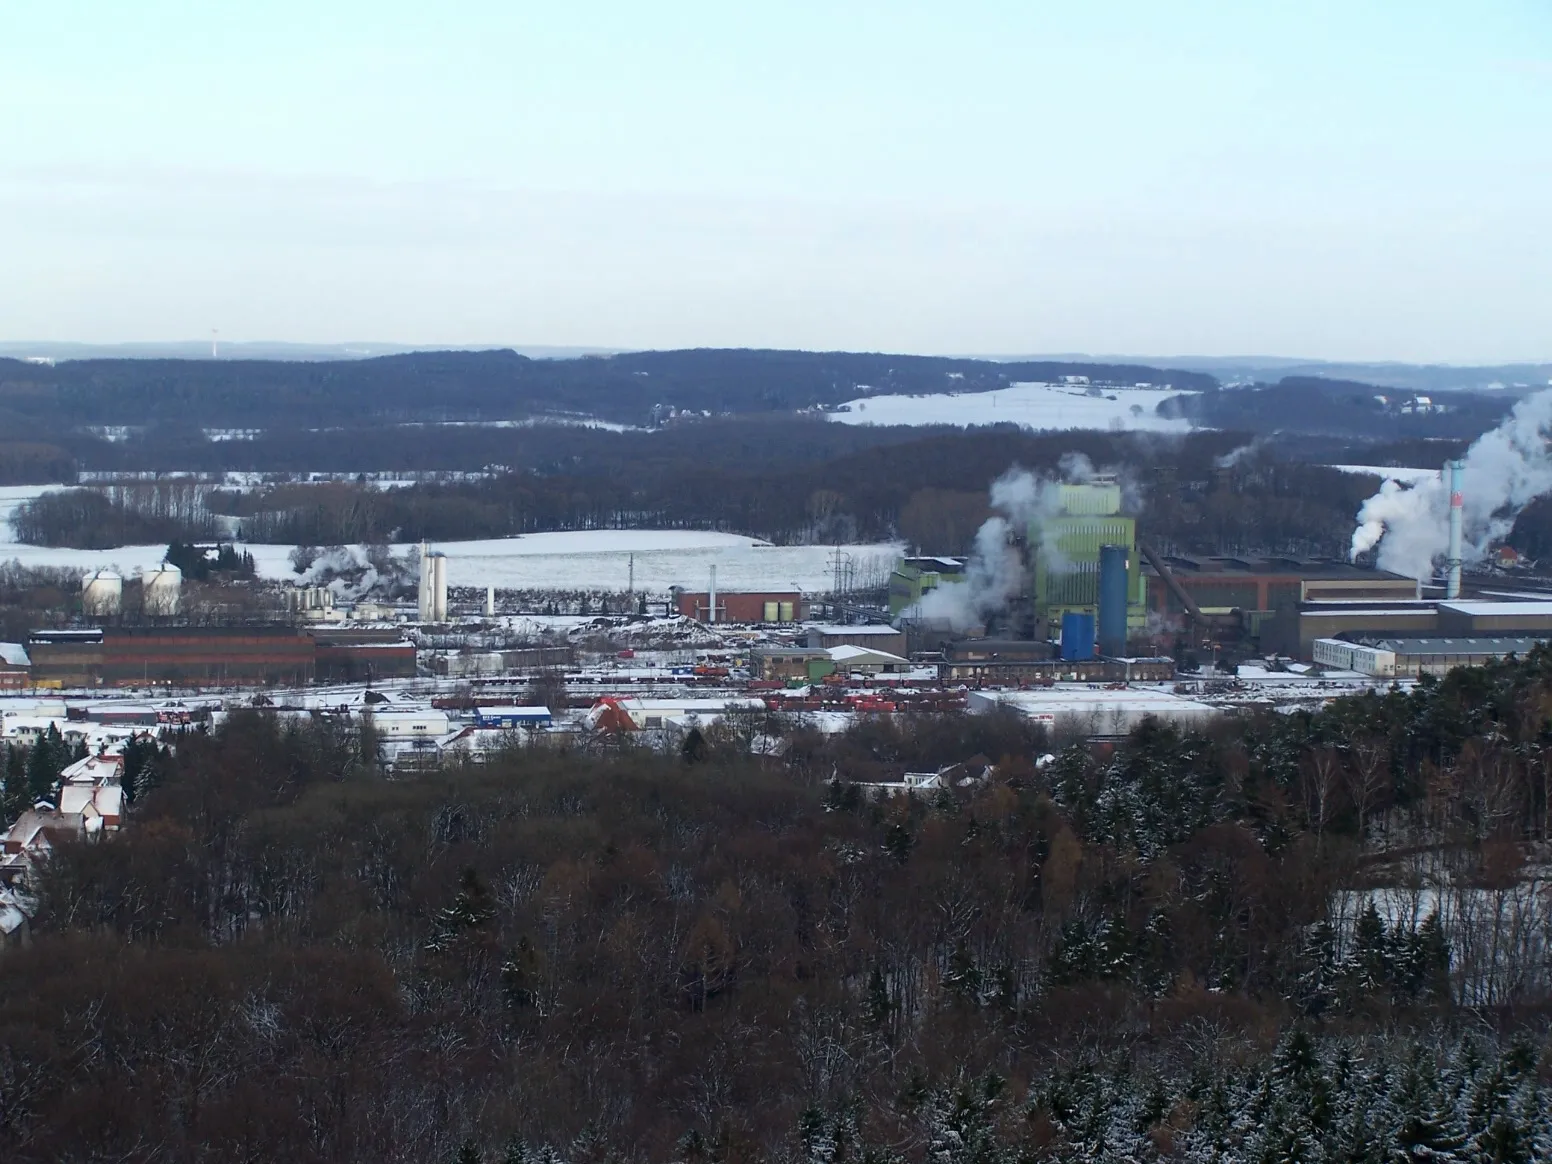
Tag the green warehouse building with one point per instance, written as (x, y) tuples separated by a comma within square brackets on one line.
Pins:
[(1064, 548), (913, 577)]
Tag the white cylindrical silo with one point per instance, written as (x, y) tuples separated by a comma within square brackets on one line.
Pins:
[(423, 594), (161, 590), (439, 587), (102, 593)]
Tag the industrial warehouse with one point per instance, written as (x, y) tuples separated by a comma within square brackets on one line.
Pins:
[(1069, 616)]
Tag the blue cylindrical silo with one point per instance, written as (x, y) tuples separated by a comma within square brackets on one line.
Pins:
[(1077, 636), (1112, 600)]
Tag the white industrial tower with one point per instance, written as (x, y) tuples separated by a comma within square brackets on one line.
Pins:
[(432, 595)]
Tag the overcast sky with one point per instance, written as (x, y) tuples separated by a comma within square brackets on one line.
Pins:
[(1349, 180)]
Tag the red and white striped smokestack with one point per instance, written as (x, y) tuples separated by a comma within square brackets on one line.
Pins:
[(1453, 472)]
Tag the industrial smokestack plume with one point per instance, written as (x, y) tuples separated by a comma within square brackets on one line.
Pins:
[(1454, 471), (1459, 516)]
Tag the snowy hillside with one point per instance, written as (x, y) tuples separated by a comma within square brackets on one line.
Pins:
[(1033, 406)]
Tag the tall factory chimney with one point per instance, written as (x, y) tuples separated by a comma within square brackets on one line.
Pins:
[(1453, 473), (1112, 601), (711, 614), (490, 602)]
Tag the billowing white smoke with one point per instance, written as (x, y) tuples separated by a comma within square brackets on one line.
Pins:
[(1505, 470), (1244, 453), (994, 573)]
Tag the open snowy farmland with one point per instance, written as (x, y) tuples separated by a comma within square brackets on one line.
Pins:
[(601, 560), (1033, 406), (581, 560)]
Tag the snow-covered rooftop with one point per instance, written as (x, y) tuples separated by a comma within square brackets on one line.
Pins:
[(870, 629), (1516, 609), (852, 654)]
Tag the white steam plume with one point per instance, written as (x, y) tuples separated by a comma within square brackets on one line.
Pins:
[(1235, 456), (994, 573), (1505, 470)]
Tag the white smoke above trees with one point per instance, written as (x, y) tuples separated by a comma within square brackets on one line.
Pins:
[(994, 573), (1505, 470)]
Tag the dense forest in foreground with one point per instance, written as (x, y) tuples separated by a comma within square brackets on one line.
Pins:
[(1313, 938)]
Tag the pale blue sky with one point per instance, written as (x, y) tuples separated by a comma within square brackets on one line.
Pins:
[(1346, 180)]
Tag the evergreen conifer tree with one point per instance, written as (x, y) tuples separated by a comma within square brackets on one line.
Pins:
[(45, 761), (15, 787)]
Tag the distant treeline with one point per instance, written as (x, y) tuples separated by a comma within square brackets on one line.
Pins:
[(634, 388), (931, 492), (28, 462), (765, 479), (92, 520), (1339, 408)]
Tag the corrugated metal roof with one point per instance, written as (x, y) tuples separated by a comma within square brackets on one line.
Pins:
[(1471, 646), (1516, 609)]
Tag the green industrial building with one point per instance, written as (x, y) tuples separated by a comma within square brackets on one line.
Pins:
[(913, 577), (1063, 555), (1065, 546)]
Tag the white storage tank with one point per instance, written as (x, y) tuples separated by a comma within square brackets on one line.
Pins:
[(433, 586), (439, 587), (161, 590), (102, 593)]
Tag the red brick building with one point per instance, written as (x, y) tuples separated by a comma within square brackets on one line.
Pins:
[(764, 606)]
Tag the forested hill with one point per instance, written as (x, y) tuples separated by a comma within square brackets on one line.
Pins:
[(1314, 406), (500, 384)]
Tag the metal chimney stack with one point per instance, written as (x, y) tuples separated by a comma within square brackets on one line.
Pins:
[(1454, 471), (711, 614)]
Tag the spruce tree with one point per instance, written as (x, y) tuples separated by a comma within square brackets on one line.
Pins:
[(45, 761), (878, 1007), (14, 790)]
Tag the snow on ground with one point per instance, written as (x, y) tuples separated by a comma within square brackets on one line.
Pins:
[(12, 496), (1034, 406), (601, 560), (1390, 472), (579, 560)]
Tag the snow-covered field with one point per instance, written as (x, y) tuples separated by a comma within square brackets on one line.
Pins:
[(1034, 406), (1404, 475), (582, 560), (601, 560), (10, 497)]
